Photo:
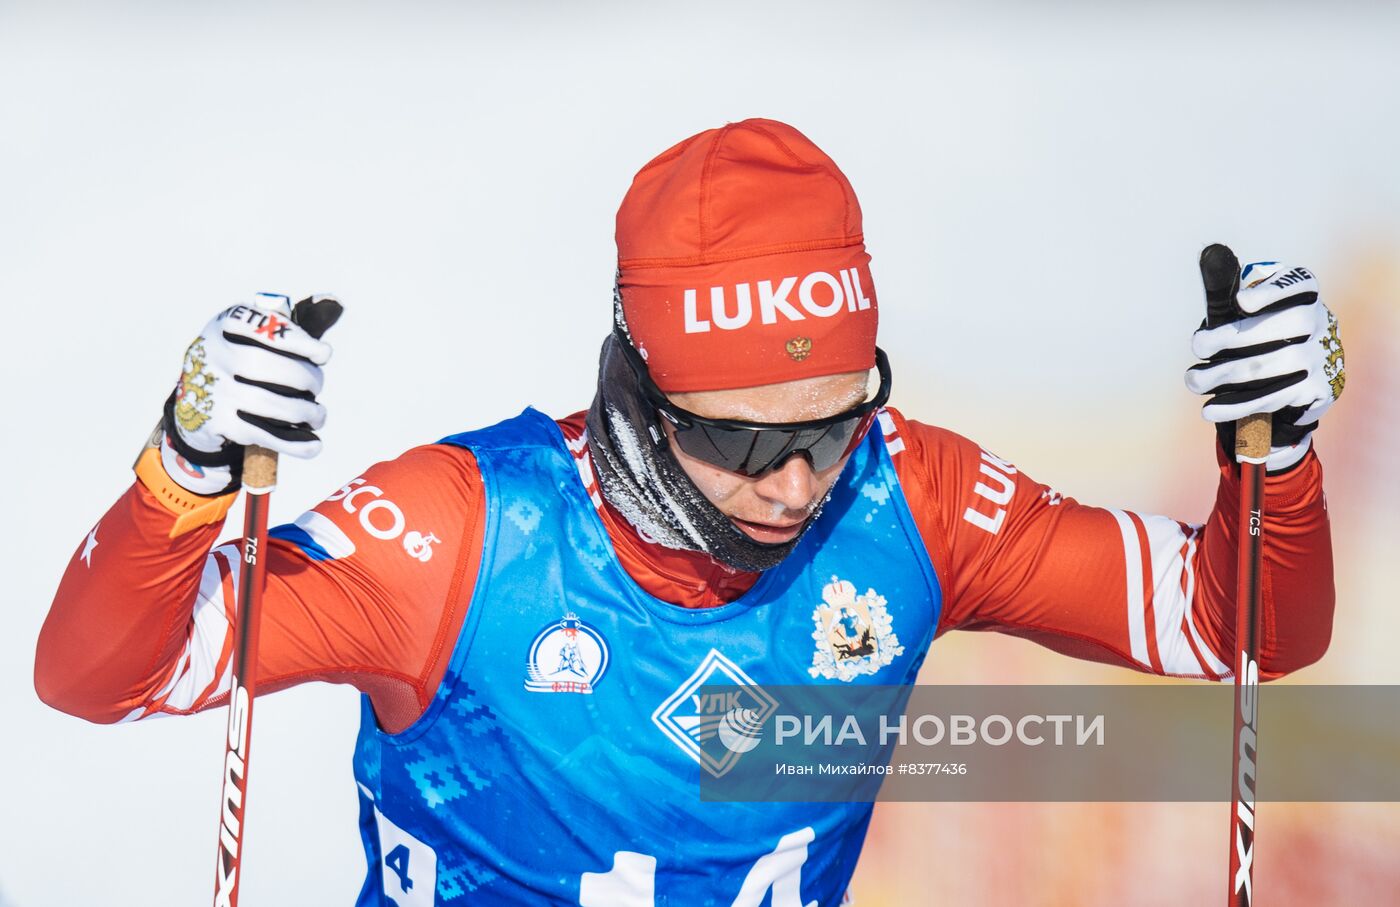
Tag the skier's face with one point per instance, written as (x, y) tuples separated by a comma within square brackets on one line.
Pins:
[(772, 507)]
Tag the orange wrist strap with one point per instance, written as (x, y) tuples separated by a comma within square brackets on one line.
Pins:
[(191, 510)]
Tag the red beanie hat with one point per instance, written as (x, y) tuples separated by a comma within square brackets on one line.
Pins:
[(741, 262)]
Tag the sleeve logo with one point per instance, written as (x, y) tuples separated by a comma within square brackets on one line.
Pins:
[(999, 473), (383, 519)]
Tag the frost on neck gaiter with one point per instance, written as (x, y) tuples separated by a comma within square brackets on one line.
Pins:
[(630, 500)]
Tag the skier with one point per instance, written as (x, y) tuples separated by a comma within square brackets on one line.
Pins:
[(734, 485)]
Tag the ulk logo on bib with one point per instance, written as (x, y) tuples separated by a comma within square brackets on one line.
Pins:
[(715, 727)]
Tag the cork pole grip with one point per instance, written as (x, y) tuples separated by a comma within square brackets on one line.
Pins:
[(259, 469), (1253, 437)]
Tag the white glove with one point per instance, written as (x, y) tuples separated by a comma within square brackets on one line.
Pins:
[(250, 377), (1283, 357)]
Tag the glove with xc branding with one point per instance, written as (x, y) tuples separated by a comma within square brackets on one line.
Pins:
[(250, 377), (1282, 356)]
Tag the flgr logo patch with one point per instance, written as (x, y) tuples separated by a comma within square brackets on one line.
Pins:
[(693, 719), (567, 656)]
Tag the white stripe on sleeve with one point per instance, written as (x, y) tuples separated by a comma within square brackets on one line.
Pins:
[(1132, 561), (189, 683), (1171, 565), (1170, 603), (1213, 662)]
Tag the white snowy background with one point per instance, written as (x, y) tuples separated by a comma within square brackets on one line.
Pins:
[(1037, 180)]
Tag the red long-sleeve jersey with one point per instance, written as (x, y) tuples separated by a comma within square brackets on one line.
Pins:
[(142, 622)]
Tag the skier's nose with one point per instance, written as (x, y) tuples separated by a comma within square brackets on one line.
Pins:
[(793, 484)]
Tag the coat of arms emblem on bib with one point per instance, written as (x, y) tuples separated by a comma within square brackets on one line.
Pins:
[(853, 633)]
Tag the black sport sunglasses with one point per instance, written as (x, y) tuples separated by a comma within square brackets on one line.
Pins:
[(753, 448)]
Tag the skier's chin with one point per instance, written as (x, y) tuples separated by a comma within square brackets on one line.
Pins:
[(768, 533)]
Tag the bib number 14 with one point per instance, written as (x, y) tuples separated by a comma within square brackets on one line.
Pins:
[(410, 874), (632, 880)]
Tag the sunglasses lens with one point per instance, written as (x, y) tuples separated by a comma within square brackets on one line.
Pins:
[(752, 452), (770, 448), (717, 446), (732, 445), (833, 444)]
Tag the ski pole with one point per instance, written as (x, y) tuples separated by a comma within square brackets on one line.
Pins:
[(315, 316), (1220, 272)]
